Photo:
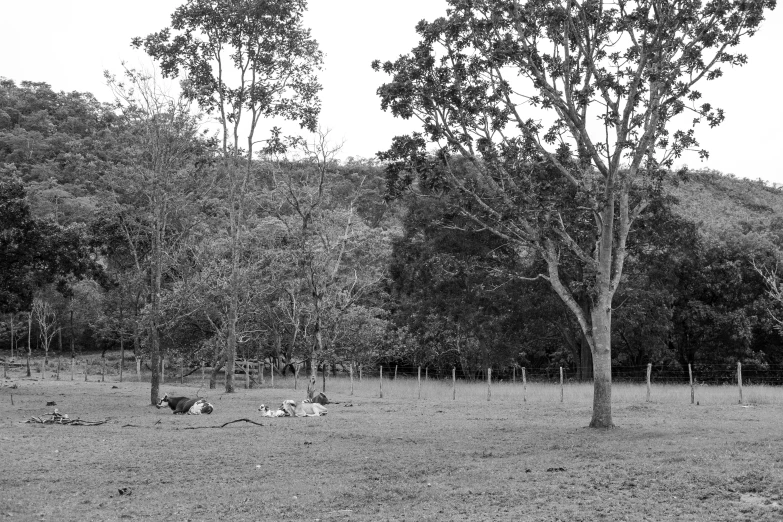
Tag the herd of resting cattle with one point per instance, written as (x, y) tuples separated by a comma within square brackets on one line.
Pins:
[(312, 407)]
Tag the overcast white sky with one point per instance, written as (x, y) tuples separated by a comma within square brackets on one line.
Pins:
[(69, 44)]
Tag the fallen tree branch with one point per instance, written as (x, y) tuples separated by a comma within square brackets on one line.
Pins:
[(59, 418), (223, 426)]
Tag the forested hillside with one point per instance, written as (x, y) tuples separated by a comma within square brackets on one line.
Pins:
[(691, 294), (336, 267)]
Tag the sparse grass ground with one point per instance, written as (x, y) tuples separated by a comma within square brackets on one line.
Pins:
[(396, 458)]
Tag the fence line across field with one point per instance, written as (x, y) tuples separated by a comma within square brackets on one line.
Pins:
[(253, 370)]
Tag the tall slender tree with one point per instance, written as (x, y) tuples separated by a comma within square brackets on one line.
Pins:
[(46, 317), (241, 60)]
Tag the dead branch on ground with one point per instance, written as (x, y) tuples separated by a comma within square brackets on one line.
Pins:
[(58, 418)]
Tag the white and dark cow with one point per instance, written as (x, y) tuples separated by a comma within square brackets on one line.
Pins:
[(201, 406), (185, 405)]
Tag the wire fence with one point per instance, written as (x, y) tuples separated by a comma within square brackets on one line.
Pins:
[(716, 374), (636, 383)]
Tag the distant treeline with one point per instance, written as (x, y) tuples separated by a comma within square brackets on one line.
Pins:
[(336, 267)]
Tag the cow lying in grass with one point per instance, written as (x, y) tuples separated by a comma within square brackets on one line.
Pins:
[(266, 412), (290, 408), (184, 405), (303, 409)]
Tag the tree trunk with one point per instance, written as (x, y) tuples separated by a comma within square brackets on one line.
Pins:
[(157, 270), (231, 347), (602, 367), (154, 363), (235, 222), (46, 355), (29, 341), (319, 347), (122, 345), (136, 338), (73, 353), (13, 338)]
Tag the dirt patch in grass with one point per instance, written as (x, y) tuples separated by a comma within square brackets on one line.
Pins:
[(396, 458)]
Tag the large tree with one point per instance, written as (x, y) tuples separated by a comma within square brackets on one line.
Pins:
[(241, 60), (554, 121)]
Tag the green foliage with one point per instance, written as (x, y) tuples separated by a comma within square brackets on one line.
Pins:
[(60, 130), (36, 252), (263, 42), (687, 297)]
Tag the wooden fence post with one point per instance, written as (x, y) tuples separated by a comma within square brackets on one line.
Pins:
[(162, 370), (395, 372), (453, 384), (381, 381), (103, 368), (350, 370), (247, 374), (489, 383), (42, 367), (514, 374), (138, 369), (419, 381), (426, 374), (73, 365), (202, 371), (272, 376), (86, 363), (739, 379), (296, 375), (561, 384), (524, 385), (323, 377), (690, 376), (360, 373), (649, 371)]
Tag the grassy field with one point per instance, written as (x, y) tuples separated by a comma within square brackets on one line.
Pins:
[(396, 458)]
